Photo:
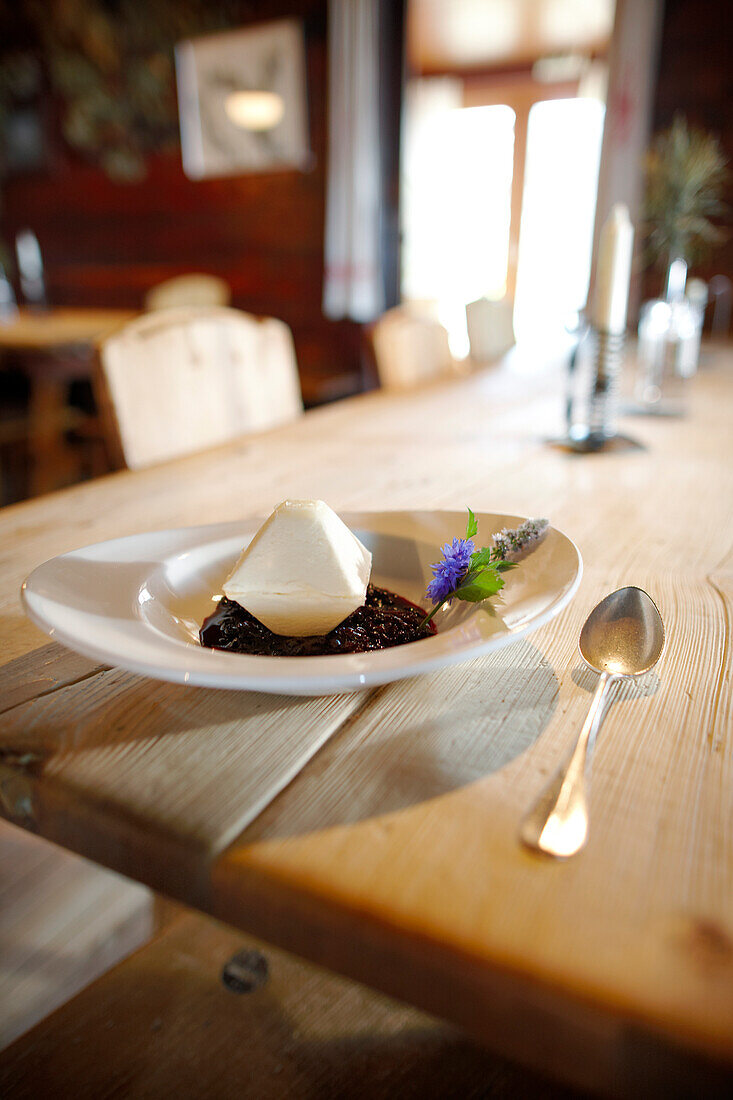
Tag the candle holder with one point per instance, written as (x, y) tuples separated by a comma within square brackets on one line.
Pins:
[(592, 427)]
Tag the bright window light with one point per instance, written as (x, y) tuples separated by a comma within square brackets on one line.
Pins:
[(558, 209), (458, 167)]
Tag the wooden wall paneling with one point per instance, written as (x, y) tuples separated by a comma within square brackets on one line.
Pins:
[(106, 243)]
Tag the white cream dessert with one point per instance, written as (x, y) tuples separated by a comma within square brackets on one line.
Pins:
[(303, 573)]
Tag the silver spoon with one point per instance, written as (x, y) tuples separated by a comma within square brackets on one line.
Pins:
[(622, 637)]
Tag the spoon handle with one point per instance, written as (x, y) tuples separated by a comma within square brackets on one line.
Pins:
[(558, 822)]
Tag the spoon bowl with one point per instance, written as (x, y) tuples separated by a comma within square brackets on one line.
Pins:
[(622, 637)]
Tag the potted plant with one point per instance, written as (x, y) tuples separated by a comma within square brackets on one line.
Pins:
[(685, 176)]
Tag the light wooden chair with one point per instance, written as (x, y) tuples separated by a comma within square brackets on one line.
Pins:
[(177, 381), (409, 348), (490, 329), (194, 289)]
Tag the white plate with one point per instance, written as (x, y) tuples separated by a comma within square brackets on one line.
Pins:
[(137, 602)]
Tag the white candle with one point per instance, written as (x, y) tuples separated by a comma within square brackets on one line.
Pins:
[(613, 271)]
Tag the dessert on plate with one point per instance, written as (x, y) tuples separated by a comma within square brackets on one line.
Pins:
[(301, 588)]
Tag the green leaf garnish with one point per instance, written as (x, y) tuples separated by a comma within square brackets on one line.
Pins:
[(474, 575), (472, 525), (481, 558), (479, 588)]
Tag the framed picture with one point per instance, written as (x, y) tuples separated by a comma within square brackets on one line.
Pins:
[(242, 100)]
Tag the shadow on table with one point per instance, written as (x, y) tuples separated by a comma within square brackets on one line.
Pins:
[(406, 743), (418, 740), (54, 701)]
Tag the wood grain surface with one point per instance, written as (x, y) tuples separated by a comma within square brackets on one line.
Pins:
[(380, 836)]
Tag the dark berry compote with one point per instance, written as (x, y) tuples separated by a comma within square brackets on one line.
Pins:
[(385, 620)]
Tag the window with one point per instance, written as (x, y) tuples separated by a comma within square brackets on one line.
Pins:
[(498, 198), (457, 185), (558, 210)]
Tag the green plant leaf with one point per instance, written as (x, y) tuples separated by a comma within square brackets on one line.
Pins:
[(480, 587), (481, 558), (471, 526)]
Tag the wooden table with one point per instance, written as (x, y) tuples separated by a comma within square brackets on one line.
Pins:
[(54, 348), (376, 833), (51, 329)]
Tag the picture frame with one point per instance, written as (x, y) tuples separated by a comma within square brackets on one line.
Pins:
[(243, 101)]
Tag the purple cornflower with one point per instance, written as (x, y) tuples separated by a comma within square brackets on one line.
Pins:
[(450, 571)]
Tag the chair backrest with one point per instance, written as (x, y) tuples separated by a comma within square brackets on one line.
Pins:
[(189, 290), (181, 380), (410, 348), (490, 329)]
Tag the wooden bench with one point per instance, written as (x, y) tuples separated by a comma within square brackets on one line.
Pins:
[(63, 922), (205, 1011)]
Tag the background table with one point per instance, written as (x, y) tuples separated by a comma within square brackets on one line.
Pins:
[(51, 329), (53, 348), (376, 833)]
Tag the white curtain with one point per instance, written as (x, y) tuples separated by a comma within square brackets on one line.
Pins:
[(353, 283)]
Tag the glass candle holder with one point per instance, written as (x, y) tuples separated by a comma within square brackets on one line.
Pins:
[(592, 397), (667, 354)]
